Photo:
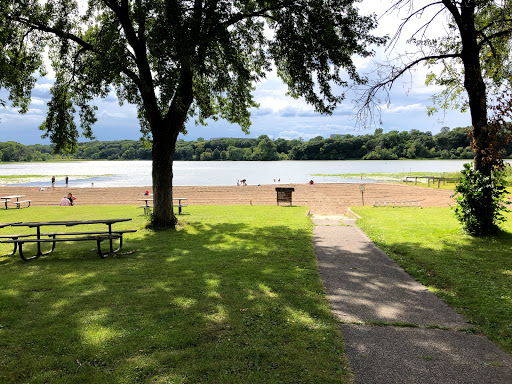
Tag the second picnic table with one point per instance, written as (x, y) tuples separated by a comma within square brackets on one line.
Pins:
[(147, 207), (6, 199)]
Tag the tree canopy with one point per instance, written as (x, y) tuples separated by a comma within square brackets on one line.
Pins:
[(177, 60)]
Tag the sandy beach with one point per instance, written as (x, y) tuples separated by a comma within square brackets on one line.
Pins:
[(326, 199)]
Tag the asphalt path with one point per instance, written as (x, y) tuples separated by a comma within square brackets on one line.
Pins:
[(396, 330)]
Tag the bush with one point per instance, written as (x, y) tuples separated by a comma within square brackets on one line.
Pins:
[(480, 201)]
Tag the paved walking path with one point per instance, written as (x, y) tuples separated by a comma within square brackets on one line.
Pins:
[(395, 330)]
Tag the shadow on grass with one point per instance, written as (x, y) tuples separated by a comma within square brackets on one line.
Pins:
[(215, 303)]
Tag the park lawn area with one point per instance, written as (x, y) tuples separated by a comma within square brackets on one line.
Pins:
[(472, 275), (232, 296)]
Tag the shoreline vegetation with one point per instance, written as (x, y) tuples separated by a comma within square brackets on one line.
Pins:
[(394, 145)]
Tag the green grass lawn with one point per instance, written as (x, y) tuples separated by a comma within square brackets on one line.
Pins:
[(233, 296), (473, 275)]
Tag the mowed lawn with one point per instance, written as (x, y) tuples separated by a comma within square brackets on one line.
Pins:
[(232, 296), (472, 275)]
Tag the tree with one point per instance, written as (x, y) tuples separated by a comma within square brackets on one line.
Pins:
[(266, 150), (177, 60), (474, 55), (476, 63)]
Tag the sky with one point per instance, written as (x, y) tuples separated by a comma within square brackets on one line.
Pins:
[(279, 116)]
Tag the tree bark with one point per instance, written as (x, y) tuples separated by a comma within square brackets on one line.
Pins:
[(163, 154), (165, 134), (476, 89)]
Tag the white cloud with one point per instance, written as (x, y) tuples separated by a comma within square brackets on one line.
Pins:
[(110, 114), (43, 87), (403, 108), (37, 101)]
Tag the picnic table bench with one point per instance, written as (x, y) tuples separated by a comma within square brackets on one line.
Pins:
[(147, 207), (18, 202), (99, 236)]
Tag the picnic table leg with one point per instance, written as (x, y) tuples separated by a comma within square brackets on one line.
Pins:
[(105, 254), (102, 255), (27, 258), (110, 240), (120, 244), (38, 244)]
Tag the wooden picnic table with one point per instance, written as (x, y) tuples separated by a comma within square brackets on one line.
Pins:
[(147, 207), (98, 236), (9, 198)]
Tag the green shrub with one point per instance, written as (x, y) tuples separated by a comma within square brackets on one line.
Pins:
[(480, 201)]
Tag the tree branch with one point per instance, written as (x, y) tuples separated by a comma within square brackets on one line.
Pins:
[(144, 82), (416, 13), (367, 101), (35, 25), (487, 39)]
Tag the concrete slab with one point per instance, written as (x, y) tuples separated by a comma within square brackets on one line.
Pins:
[(420, 356)]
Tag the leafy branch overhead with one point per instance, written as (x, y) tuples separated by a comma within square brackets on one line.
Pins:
[(148, 50)]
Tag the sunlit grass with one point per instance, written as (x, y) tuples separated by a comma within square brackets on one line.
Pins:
[(232, 296), (471, 274)]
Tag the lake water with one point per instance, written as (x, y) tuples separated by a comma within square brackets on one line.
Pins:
[(138, 173)]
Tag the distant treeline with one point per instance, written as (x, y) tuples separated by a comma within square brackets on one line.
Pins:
[(448, 144)]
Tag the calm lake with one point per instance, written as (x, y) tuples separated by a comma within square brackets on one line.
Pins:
[(138, 173)]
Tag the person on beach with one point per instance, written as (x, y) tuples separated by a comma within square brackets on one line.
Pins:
[(67, 181), (244, 182), (64, 202), (311, 182), (71, 199), (53, 182)]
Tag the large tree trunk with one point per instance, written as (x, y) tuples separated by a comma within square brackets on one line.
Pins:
[(476, 89), (165, 134), (164, 145)]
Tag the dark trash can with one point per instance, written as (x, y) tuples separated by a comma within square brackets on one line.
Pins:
[(284, 195)]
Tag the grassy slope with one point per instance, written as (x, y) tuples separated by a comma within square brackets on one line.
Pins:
[(233, 296), (473, 275)]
